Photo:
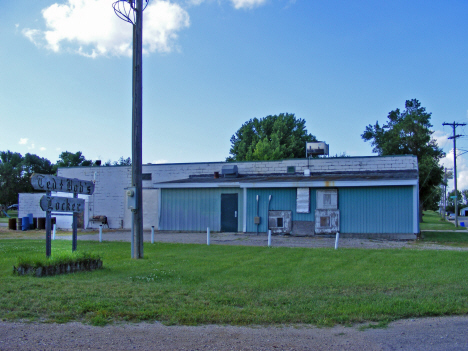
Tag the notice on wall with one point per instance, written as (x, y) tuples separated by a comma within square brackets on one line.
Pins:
[(303, 200)]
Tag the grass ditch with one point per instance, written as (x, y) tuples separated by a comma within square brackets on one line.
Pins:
[(433, 221), (187, 284), (446, 238)]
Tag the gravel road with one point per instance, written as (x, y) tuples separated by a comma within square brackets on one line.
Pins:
[(428, 334)]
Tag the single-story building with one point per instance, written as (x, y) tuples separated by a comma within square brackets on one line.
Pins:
[(363, 196)]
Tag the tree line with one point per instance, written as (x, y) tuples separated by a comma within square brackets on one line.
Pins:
[(16, 170), (406, 132)]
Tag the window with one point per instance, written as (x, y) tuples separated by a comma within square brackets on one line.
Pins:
[(279, 222), (291, 169), (324, 221), (146, 176)]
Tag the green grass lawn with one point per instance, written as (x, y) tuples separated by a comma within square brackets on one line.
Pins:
[(239, 285), (433, 221), (11, 213), (448, 238)]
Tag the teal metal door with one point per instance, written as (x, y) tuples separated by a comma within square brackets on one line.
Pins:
[(229, 212)]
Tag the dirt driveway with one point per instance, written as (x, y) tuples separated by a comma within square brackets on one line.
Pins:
[(444, 333), (262, 240)]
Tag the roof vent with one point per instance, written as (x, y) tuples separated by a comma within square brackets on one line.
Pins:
[(230, 171)]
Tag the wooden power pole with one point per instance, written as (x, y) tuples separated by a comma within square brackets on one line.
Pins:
[(454, 137), (132, 12)]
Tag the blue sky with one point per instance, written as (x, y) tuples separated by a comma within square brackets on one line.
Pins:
[(211, 65)]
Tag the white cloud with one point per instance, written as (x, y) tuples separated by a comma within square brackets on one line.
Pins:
[(195, 2), (23, 141), (247, 4), (91, 28), (462, 170), (441, 138), (31, 147), (43, 148), (160, 161), (238, 4), (162, 22)]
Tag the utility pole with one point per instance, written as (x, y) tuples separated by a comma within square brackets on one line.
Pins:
[(447, 176), (132, 11), (454, 137)]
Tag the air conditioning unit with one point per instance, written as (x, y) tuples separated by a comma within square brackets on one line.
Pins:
[(316, 148), (230, 171)]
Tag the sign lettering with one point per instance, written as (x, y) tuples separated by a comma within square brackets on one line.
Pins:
[(48, 182), (61, 204)]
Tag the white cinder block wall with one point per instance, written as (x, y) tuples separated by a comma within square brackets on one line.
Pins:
[(29, 203), (109, 197)]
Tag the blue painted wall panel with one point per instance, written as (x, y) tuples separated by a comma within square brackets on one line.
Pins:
[(282, 199), (376, 209), (195, 209)]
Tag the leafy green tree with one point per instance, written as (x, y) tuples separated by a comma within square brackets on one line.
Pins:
[(465, 197), (11, 181), (450, 205), (70, 159), (275, 137), (15, 173), (408, 132), (35, 164), (121, 162)]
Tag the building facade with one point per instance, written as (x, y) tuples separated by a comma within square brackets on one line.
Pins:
[(362, 196)]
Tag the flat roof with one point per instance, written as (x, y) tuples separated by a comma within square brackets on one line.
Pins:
[(319, 179)]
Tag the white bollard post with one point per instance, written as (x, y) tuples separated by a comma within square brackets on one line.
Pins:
[(100, 233), (269, 238), (53, 233), (208, 236), (152, 234), (336, 240)]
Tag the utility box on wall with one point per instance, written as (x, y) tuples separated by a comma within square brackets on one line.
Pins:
[(327, 215), (327, 221), (327, 199), (279, 222)]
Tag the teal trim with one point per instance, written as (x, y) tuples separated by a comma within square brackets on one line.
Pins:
[(195, 209), (375, 210), (282, 199)]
